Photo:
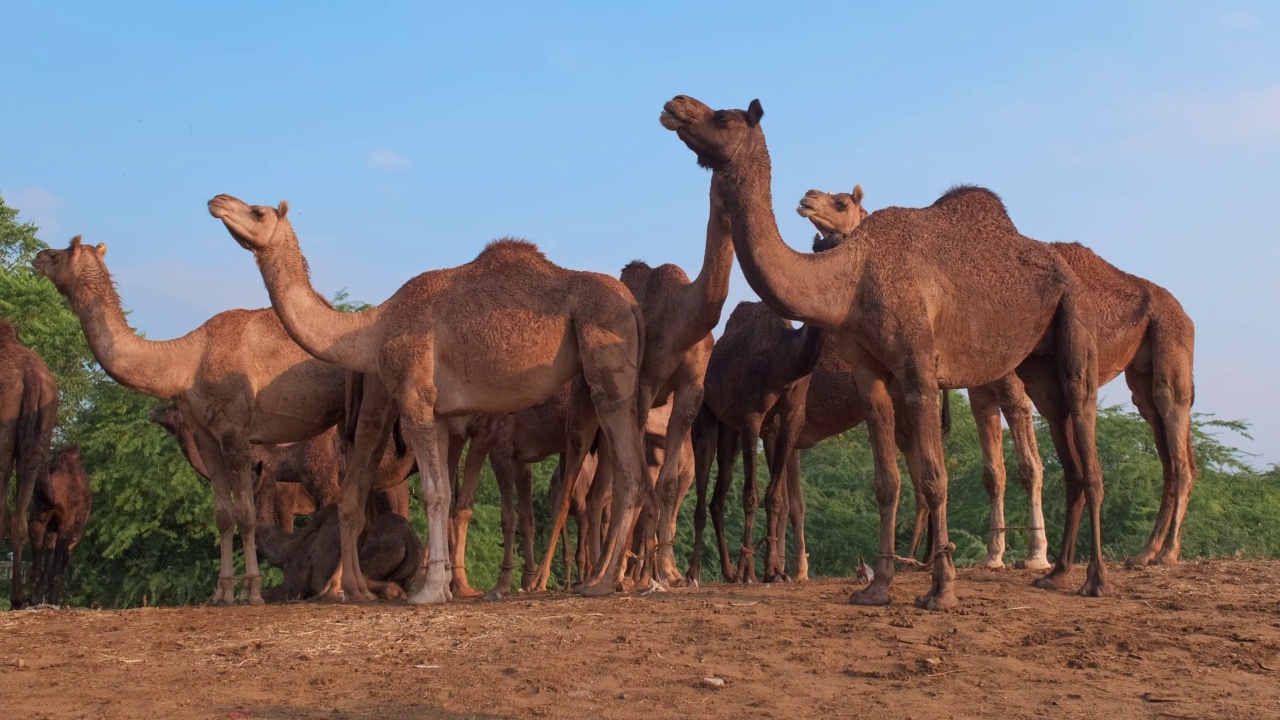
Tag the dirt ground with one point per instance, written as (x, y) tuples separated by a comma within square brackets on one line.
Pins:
[(1198, 640)]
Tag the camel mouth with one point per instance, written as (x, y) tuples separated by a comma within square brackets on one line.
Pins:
[(670, 121), (805, 211)]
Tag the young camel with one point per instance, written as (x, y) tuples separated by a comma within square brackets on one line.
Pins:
[(939, 297), (1145, 334), (760, 365), (496, 335), (836, 216), (60, 510), (238, 379), (28, 413)]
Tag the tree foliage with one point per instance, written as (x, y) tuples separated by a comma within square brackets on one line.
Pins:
[(152, 536)]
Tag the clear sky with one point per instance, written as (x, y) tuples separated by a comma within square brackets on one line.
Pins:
[(407, 135)]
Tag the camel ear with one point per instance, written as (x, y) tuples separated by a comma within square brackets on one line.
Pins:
[(101, 249), (75, 241), (755, 111), (857, 194), (283, 210)]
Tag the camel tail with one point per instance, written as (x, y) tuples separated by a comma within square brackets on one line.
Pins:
[(642, 413), (946, 412)]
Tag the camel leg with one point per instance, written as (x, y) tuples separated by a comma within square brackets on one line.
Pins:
[(1163, 397), (41, 556), (430, 441), (583, 423), (375, 421), (524, 495), (61, 567), (750, 498), (32, 470), (795, 505), (779, 444), (236, 460), (985, 405), (8, 438), (224, 515), (673, 479), (703, 435), (597, 502), (726, 458), (1016, 407), (463, 510), (878, 408), (503, 471), (920, 403), (613, 395)]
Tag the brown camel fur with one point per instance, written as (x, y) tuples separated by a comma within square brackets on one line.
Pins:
[(759, 367), (390, 552), (293, 497), (836, 216), (238, 380), (60, 510), (679, 316), (920, 299), (1144, 333), (652, 551), (28, 413), (496, 335)]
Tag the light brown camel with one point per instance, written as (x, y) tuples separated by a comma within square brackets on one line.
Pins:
[(652, 551), (939, 297), (496, 335), (293, 497), (28, 413), (836, 216), (390, 552), (238, 380), (60, 510), (760, 365), (1144, 333)]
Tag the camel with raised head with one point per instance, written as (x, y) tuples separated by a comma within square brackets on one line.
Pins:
[(238, 379), (495, 335), (28, 413), (836, 216), (60, 510), (1144, 333), (922, 299)]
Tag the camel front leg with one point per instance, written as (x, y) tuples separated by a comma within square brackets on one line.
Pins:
[(582, 424), (235, 456), (879, 411), (463, 510), (795, 504), (675, 478), (501, 461), (1016, 406), (704, 437), (430, 441), (985, 405), (374, 423), (224, 515)]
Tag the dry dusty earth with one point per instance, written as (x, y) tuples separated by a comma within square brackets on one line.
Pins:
[(1199, 640)]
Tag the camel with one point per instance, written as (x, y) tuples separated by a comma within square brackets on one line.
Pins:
[(238, 380), (921, 299), (653, 552), (390, 552), (293, 497), (28, 413), (496, 335), (1145, 334), (760, 366), (60, 510), (836, 216)]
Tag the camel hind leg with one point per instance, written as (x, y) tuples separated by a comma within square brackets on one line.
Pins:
[(704, 439), (750, 440), (1017, 409), (985, 404), (726, 458), (583, 423), (430, 441)]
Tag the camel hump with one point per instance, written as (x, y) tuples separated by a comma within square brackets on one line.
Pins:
[(7, 333), (974, 202), (754, 315), (510, 248)]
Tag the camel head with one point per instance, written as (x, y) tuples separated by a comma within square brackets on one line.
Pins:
[(167, 416), (253, 226), (717, 137), (832, 214), (77, 269)]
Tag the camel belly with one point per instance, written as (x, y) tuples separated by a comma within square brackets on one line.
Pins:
[(503, 379)]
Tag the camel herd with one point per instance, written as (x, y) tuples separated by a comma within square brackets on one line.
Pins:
[(301, 408)]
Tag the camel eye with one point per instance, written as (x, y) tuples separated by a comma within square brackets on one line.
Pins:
[(842, 205), (719, 119), (257, 213)]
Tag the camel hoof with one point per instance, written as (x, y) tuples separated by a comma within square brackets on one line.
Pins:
[(934, 603), (991, 563), (393, 591), (676, 583), (1168, 557), (466, 591), (1033, 563), (1052, 581), (872, 595), (1093, 588), (599, 589), (430, 596), (1142, 559)]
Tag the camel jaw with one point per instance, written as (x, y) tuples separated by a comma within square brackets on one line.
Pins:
[(805, 211), (670, 121)]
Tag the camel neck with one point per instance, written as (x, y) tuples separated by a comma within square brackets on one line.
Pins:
[(813, 289), (344, 339), (162, 369), (711, 288)]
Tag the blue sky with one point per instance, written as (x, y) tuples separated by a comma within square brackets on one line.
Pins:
[(407, 135)]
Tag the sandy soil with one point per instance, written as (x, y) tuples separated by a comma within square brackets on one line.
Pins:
[(1194, 641)]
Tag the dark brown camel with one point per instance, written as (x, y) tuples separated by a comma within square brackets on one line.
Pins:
[(390, 552), (60, 510), (28, 413), (760, 365), (921, 299)]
